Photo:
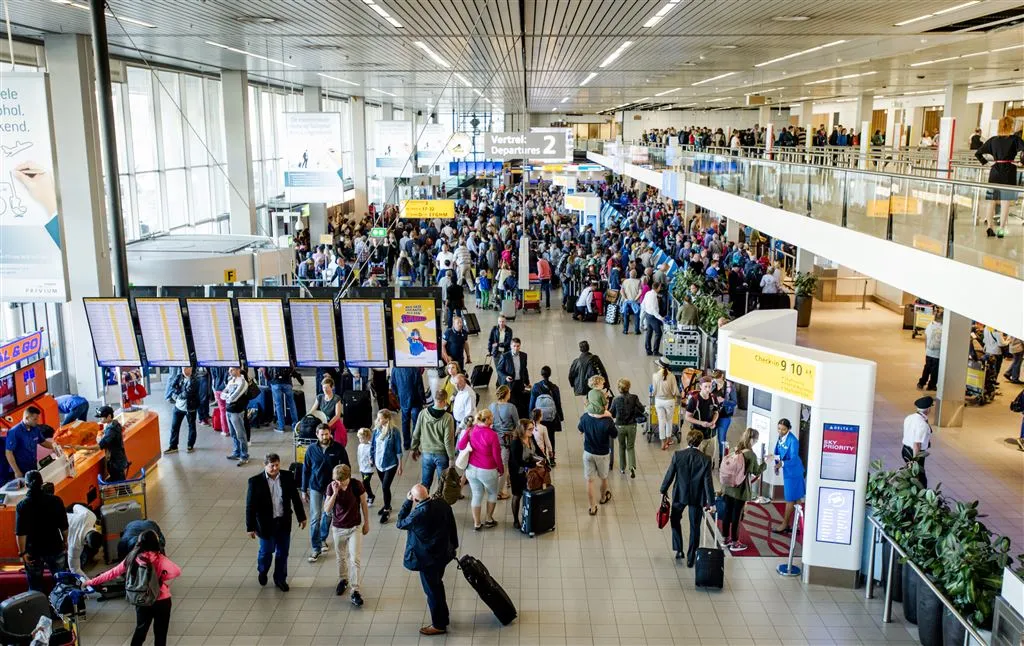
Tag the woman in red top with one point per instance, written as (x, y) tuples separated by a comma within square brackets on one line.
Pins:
[(147, 551)]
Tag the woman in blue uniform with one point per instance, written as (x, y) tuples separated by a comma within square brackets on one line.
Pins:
[(787, 456)]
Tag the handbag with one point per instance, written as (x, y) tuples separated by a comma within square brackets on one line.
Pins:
[(664, 509), (462, 459)]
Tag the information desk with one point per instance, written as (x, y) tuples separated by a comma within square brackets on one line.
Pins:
[(141, 443)]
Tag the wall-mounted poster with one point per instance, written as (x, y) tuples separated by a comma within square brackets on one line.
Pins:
[(414, 322), (839, 451), (312, 157), (393, 149), (431, 144)]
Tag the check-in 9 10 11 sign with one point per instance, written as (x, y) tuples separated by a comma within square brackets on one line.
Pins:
[(540, 146)]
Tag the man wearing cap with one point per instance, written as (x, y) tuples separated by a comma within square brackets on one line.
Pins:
[(111, 440), (917, 434)]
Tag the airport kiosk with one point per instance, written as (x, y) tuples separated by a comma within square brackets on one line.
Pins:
[(759, 350)]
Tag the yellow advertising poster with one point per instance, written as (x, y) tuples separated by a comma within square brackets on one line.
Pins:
[(575, 203), (414, 323), (428, 209), (779, 373)]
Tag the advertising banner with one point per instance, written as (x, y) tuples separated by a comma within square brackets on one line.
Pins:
[(427, 209), (432, 144), (839, 451), (414, 322), (311, 147), (393, 148), (32, 262)]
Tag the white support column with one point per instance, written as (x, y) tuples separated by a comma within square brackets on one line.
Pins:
[(358, 110), (80, 184), (317, 210), (956, 330), (991, 113), (807, 114), (955, 105), (865, 109), (764, 115), (916, 125), (235, 96), (804, 260)]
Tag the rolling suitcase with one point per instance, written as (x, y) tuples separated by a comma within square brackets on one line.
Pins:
[(356, 410), (481, 375), (611, 314), (538, 511), (20, 614), (300, 402), (472, 324), (489, 590), (508, 308), (114, 518), (709, 566)]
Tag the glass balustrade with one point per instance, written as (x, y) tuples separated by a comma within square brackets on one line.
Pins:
[(868, 194)]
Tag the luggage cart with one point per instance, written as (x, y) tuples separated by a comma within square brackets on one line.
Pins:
[(117, 491), (531, 299), (301, 444), (652, 421), (923, 315)]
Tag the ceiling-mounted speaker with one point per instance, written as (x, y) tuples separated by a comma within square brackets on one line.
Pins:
[(419, 113), (433, 115)]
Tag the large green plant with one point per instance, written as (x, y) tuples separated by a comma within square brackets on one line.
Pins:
[(681, 284), (804, 283), (709, 310), (972, 563)]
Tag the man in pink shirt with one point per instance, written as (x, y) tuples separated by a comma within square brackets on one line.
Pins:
[(544, 274)]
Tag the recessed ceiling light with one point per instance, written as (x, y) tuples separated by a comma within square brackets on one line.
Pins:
[(335, 78), (251, 54), (462, 78), (801, 53), (382, 12), (937, 13), (256, 20), (85, 7), (790, 18), (668, 91), (614, 55), (383, 92), (590, 77), (432, 54), (564, 99), (713, 78), (723, 46), (840, 78)]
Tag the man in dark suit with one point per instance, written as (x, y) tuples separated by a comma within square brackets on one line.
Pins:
[(689, 475), (269, 503), (433, 539), (499, 339), (514, 373)]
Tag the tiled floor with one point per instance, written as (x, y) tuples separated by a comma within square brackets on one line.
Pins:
[(610, 579)]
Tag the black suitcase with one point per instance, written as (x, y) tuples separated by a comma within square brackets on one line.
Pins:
[(296, 469), (356, 410), (481, 375), (489, 590), (20, 614), (472, 323), (538, 511), (300, 402), (709, 566)]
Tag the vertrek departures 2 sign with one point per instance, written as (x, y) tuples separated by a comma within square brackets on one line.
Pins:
[(525, 145)]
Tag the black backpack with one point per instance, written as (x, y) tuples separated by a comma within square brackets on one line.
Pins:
[(307, 426), (252, 391)]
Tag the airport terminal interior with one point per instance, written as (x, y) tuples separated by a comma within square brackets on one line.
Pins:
[(752, 273)]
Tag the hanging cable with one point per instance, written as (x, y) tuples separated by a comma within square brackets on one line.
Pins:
[(10, 36)]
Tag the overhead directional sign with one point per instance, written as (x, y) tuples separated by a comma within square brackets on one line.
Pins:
[(378, 232), (526, 145)]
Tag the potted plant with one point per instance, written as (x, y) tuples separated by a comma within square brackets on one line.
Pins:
[(803, 285)]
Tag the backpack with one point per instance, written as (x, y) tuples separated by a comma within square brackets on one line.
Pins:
[(733, 471), (252, 391), (141, 584), (449, 486), (307, 426), (546, 404), (1017, 405)]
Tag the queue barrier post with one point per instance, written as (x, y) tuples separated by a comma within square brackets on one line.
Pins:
[(788, 569)]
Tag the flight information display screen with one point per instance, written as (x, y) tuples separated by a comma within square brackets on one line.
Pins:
[(113, 336), (213, 332), (263, 332), (314, 333), (163, 331), (363, 328)]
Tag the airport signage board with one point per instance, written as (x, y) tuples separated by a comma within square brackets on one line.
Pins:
[(782, 374), (526, 145)]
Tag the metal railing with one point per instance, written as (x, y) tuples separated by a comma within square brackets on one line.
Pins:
[(878, 535)]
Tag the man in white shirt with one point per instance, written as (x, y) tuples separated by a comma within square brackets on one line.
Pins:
[(445, 255), (629, 296), (650, 310), (585, 305), (932, 349), (917, 435), (465, 400)]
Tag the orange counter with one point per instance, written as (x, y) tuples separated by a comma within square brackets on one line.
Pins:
[(141, 443)]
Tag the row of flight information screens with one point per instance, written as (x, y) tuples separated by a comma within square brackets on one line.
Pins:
[(212, 331)]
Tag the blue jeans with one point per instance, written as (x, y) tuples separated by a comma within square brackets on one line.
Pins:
[(284, 396), (35, 566), (80, 413), (319, 524), (432, 463), (432, 580), (1014, 370), (630, 308), (723, 429), (409, 416), (545, 290), (275, 547), (238, 437)]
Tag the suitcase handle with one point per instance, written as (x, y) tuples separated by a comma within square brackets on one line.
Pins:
[(710, 523)]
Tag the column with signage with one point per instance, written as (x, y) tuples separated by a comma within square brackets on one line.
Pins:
[(782, 377)]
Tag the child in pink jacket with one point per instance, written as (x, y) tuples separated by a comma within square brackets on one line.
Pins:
[(147, 551)]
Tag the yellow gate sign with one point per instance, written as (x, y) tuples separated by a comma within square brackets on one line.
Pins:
[(230, 275), (428, 209), (779, 373)]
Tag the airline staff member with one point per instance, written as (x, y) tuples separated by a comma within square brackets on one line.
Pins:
[(22, 440), (917, 434)]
